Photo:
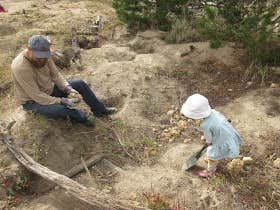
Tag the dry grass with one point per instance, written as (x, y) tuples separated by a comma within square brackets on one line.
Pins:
[(182, 31), (257, 187)]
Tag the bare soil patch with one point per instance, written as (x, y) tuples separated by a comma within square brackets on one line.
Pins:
[(147, 80)]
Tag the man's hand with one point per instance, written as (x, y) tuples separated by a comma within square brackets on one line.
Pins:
[(72, 93), (67, 102), (68, 89)]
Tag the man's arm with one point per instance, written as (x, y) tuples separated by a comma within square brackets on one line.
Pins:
[(57, 78), (27, 82)]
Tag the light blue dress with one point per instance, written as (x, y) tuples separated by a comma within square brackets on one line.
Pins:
[(225, 139)]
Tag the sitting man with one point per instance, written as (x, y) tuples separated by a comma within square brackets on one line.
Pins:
[(42, 89)]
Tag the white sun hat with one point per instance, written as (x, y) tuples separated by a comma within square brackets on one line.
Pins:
[(196, 107)]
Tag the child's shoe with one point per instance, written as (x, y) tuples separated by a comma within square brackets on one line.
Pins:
[(206, 174)]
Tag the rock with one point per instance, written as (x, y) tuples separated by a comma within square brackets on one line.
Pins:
[(276, 70), (171, 140), (274, 85), (276, 163), (182, 124), (3, 204), (187, 140), (3, 194), (235, 166), (170, 112), (61, 60), (247, 160), (88, 42), (148, 77), (5, 85), (173, 131), (264, 199), (140, 46), (249, 84)]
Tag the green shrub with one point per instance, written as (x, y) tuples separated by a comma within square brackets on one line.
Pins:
[(141, 14), (212, 27), (255, 32), (167, 8), (136, 14), (252, 26)]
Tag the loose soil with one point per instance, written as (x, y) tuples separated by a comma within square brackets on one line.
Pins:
[(147, 80)]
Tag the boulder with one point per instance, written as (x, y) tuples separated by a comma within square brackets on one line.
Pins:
[(235, 166), (247, 160)]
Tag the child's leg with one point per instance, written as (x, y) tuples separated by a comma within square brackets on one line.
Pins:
[(205, 158), (212, 165)]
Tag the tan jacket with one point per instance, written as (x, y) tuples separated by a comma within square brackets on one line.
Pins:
[(36, 84)]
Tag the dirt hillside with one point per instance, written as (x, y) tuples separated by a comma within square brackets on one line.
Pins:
[(147, 80)]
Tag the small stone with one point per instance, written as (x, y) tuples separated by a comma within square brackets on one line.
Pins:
[(249, 84), (170, 112), (167, 135), (3, 194), (273, 156), (247, 160), (148, 77), (187, 140), (233, 189), (171, 140), (182, 124), (3, 204), (276, 163), (274, 85), (174, 131), (230, 90)]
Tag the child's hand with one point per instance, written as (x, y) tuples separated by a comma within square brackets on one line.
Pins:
[(202, 138)]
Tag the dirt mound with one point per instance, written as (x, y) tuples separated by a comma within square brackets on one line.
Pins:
[(147, 141), (167, 178)]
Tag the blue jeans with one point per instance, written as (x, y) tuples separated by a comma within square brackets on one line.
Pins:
[(61, 111)]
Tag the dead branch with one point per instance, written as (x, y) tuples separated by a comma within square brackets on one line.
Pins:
[(118, 138), (76, 170), (89, 196), (85, 167)]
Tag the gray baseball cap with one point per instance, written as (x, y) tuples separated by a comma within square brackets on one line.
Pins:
[(40, 46)]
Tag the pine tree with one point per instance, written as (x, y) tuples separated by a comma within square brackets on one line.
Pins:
[(136, 13)]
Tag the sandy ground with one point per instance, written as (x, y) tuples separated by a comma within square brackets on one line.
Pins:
[(146, 79)]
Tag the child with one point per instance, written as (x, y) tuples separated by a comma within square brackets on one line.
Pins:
[(224, 141)]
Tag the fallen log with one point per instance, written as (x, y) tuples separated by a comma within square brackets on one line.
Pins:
[(90, 196), (115, 169)]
